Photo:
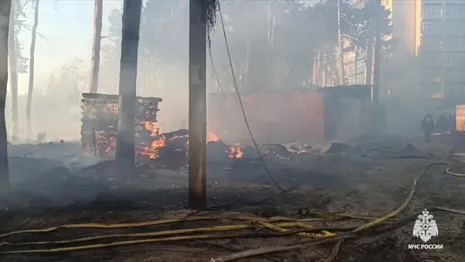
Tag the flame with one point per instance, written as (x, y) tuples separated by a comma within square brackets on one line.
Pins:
[(213, 138), (152, 151), (152, 128), (236, 152), (112, 145)]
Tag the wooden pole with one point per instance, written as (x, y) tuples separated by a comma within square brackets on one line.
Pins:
[(125, 151), (197, 104)]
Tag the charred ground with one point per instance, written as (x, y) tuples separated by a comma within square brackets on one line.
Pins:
[(54, 184)]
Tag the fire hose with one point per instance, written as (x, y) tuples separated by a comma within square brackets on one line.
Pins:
[(279, 224)]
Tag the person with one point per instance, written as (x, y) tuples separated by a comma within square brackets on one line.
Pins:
[(427, 125)]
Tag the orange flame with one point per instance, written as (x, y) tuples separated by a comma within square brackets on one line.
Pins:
[(213, 138), (236, 152), (152, 151), (152, 128)]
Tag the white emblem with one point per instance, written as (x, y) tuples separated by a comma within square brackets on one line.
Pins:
[(425, 226)]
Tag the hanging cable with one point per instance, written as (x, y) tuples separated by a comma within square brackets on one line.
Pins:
[(241, 105), (215, 74)]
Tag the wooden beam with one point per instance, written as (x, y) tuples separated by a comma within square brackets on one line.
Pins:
[(197, 104)]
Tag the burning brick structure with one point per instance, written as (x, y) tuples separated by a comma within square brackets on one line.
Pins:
[(100, 113)]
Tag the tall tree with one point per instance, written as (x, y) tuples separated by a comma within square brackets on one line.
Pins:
[(13, 63), (31, 68), (125, 151), (5, 8), (94, 75)]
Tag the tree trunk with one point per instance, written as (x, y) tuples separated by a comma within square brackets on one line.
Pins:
[(369, 62), (246, 68), (31, 69), (340, 46), (197, 103), (125, 151), (13, 63), (98, 9), (376, 69), (5, 8)]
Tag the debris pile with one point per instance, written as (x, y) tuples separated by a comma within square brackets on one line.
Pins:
[(100, 114)]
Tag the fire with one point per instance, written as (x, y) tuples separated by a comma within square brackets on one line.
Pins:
[(236, 152), (152, 151), (213, 138), (152, 127)]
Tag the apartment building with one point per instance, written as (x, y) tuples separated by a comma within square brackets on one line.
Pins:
[(442, 53)]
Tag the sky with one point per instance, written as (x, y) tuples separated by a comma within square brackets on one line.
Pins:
[(67, 27)]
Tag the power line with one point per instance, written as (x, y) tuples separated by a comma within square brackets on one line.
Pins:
[(215, 74), (242, 106)]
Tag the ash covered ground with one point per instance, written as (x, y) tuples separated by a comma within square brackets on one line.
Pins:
[(54, 184)]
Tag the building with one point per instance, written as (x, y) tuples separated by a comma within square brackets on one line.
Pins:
[(406, 29), (442, 51)]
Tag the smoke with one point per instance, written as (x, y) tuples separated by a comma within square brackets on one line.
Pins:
[(272, 47)]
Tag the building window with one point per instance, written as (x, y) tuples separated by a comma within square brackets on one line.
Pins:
[(432, 12), (432, 27), (454, 43), (431, 42), (432, 2), (454, 13)]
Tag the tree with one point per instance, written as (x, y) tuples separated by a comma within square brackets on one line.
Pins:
[(125, 149), (13, 71), (94, 75), (17, 62), (31, 69), (5, 8)]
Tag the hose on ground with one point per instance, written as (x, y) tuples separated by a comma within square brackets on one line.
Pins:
[(318, 217), (339, 239), (280, 225)]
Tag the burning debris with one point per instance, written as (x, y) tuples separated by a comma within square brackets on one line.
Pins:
[(99, 130), (100, 114)]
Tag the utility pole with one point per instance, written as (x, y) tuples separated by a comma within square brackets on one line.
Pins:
[(197, 104), (125, 151), (340, 45)]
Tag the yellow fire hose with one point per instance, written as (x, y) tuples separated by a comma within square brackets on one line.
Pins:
[(263, 222), (401, 208), (340, 240), (321, 217), (278, 228)]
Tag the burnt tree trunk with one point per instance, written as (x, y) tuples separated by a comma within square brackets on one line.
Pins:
[(125, 151), (98, 9), (13, 63), (32, 51), (5, 8)]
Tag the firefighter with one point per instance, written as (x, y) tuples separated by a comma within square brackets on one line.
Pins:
[(427, 125)]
